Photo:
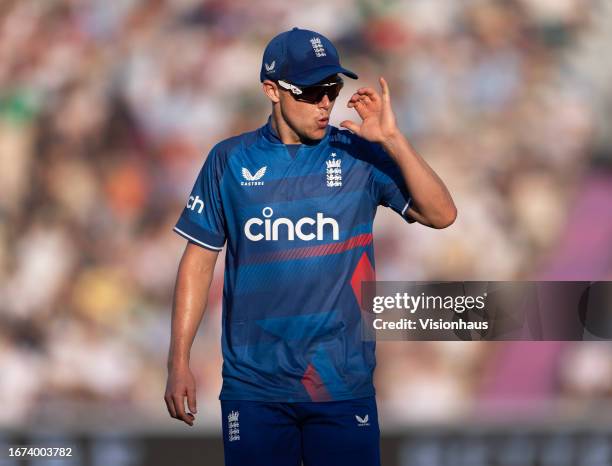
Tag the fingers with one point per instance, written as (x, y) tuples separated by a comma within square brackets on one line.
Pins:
[(353, 100), (191, 400), (366, 99), (176, 406), (361, 104), (362, 98), (385, 89), (351, 126), (170, 405), (369, 93), (179, 406), (356, 104)]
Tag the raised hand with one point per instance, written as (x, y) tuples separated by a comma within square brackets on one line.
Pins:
[(378, 120)]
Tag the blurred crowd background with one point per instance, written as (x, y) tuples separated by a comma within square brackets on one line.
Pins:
[(107, 112)]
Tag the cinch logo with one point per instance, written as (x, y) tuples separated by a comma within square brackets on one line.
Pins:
[(195, 201), (271, 227)]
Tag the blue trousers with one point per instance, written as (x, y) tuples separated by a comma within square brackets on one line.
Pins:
[(331, 433)]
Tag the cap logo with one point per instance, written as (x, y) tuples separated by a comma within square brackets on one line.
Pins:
[(317, 46), (270, 67)]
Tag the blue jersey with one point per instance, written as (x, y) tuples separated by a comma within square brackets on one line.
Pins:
[(298, 228)]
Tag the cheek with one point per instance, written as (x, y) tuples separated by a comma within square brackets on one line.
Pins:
[(298, 112), (293, 109)]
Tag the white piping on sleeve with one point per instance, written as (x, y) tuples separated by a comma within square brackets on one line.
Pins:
[(182, 233)]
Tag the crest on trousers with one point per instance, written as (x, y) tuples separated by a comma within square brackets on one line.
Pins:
[(233, 426)]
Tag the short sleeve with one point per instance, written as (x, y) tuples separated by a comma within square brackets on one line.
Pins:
[(387, 183), (202, 220)]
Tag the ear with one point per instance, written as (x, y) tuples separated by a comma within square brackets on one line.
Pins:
[(271, 90)]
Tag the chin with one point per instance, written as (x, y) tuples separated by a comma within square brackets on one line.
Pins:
[(317, 134)]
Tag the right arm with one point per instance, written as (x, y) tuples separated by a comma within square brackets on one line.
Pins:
[(193, 281)]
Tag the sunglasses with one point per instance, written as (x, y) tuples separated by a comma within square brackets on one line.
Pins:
[(313, 94)]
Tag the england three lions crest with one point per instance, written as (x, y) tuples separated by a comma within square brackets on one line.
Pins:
[(233, 426), (333, 172)]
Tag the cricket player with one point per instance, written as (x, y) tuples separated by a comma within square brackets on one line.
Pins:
[(294, 202)]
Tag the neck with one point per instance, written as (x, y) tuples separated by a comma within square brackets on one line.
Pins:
[(285, 133)]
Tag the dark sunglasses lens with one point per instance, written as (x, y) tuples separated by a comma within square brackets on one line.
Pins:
[(333, 91), (314, 94)]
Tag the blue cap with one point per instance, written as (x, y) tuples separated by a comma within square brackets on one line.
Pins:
[(301, 57)]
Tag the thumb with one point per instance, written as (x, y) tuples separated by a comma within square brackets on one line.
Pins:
[(351, 126)]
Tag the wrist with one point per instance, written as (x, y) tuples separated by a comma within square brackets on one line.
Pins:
[(178, 363), (392, 141)]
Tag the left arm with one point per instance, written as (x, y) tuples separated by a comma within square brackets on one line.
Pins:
[(433, 205)]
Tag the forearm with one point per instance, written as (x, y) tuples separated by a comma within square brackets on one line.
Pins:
[(190, 298), (429, 194)]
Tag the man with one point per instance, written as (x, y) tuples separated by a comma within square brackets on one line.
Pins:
[(295, 201)]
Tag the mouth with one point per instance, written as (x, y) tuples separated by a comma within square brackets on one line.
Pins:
[(322, 122)]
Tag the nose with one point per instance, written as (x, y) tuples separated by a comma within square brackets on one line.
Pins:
[(324, 102)]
